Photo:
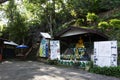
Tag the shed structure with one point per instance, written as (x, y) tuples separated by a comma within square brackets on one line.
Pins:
[(70, 36)]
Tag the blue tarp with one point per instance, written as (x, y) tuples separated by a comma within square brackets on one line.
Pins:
[(22, 46)]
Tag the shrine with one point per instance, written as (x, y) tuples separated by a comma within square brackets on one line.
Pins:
[(77, 43)]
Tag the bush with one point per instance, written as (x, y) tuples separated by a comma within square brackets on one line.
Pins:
[(103, 24), (119, 59), (115, 23), (109, 71), (91, 17), (52, 62)]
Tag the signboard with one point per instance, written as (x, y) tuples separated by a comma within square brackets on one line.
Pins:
[(105, 53), (43, 50), (54, 49)]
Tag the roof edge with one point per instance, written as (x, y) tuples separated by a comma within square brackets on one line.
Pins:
[(82, 29)]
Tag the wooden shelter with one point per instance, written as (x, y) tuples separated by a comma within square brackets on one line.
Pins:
[(1, 47), (70, 36)]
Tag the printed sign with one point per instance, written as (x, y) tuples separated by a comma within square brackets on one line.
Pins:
[(105, 53), (54, 49), (43, 50)]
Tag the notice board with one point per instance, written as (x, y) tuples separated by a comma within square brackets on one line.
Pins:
[(43, 50), (54, 49), (105, 53)]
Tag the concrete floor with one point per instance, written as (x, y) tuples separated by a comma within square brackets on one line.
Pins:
[(33, 70)]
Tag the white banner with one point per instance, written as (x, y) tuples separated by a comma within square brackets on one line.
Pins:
[(105, 53), (54, 49)]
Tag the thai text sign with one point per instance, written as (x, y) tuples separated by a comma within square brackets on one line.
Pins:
[(54, 49), (105, 53)]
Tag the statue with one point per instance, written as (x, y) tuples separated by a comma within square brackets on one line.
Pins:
[(79, 52)]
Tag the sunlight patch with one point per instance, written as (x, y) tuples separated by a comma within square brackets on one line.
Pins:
[(46, 77), (4, 62)]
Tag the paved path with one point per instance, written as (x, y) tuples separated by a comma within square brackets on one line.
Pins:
[(31, 70)]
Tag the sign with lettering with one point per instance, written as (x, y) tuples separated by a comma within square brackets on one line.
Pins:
[(54, 49), (105, 53), (43, 50)]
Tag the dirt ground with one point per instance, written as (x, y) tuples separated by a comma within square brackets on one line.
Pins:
[(33, 70)]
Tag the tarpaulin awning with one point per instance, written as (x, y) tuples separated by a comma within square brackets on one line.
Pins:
[(10, 43), (22, 46)]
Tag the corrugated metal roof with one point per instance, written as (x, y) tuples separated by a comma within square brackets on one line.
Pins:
[(45, 35)]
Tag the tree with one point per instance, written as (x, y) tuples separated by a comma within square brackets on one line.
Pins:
[(103, 26), (111, 28), (50, 13), (115, 31), (16, 25), (54, 15)]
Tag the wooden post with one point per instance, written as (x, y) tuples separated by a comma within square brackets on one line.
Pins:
[(1, 49)]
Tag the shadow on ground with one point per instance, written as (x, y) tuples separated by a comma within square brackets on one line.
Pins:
[(33, 70)]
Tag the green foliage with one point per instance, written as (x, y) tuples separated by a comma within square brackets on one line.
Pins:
[(103, 24), (118, 56), (91, 17), (52, 62), (115, 23), (111, 28), (73, 13), (117, 14), (16, 26), (1, 28), (56, 15), (0, 34), (90, 64), (111, 4), (79, 22), (118, 44), (62, 12), (109, 71)]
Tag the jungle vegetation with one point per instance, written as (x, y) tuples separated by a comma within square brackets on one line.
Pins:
[(24, 19)]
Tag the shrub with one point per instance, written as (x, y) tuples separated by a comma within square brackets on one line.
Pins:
[(52, 62), (103, 25), (119, 59), (91, 17), (115, 23), (109, 71)]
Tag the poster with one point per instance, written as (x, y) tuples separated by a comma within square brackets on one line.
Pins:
[(43, 50), (105, 47), (54, 49), (102, 61), (105, 53)]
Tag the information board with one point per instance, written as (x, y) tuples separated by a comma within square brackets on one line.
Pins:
[(43, 50), (105, 53), (54, 49)]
